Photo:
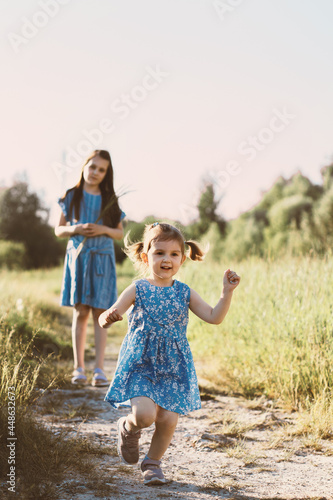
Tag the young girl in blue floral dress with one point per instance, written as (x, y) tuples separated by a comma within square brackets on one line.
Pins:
[(89, 280), (155, 374)]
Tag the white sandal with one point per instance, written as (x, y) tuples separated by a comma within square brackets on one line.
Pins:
[(78, 377), (99, 378)]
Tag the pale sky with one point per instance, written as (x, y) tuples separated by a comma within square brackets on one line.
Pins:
[(174, 89)]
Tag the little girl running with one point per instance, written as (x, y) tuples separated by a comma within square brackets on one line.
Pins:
[(155, 374)]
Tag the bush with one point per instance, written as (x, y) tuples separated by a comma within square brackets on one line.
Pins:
[(294, 242), (12, 255), (274, 195), (214, 240), (245, 237), (24, 329), (23, 219), (323, 215), (289, 210), (327, 176), (299, 184)]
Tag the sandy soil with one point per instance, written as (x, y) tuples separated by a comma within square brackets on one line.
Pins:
[(231, 448)]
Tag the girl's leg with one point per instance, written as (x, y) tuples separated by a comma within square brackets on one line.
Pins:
[(143, 414), (79, 333), (165, 425), (100, 338), (129, 428)]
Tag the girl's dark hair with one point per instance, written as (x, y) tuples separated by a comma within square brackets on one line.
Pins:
[(110, 208), (160, 231)]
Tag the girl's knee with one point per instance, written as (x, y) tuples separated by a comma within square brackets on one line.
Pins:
[(167, 419), (96, 313), (144, 421), (144, 417), (81, 310)]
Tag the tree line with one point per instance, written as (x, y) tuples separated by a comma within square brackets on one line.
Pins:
[(26, 239), (295, 216)]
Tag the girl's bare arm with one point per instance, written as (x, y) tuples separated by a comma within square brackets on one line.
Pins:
[(64, 230), (215, 315), (116, 311), (116, 233)]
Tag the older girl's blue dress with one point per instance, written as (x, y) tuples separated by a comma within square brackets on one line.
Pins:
[(155, 359), (89, 276)]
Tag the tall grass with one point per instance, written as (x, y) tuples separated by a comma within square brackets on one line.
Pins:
[(30, 319), (29, 308), (15, 369), (19, 372), (277, 338)]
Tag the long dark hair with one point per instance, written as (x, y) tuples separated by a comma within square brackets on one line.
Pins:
[(110, 207)]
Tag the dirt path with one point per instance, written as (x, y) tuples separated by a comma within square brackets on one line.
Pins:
[(231, 448)]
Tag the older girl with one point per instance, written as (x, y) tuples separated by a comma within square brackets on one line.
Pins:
[(91, 218)]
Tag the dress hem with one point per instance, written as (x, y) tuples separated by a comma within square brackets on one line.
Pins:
[(123, 404)]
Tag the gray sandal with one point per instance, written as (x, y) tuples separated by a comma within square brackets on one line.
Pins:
[(78, 377), (99, 378)]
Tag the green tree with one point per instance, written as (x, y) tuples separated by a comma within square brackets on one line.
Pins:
[(327, 176), (274, 195), (300, 184), (245, 235), (323, 215), (207, 208), (289, 210), (23, 218), (12, 255)]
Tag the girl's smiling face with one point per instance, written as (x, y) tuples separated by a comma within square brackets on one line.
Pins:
[(94, 172), (164, 258)]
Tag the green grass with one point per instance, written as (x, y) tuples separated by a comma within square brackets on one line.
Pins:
[(37, 283), (277, 338), (276, 341), (31, 322)]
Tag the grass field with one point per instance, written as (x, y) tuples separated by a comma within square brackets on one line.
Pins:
[(277, 339), (276, 342), (31, 326)]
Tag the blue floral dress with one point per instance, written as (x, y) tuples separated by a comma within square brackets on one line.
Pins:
[(89, 277), (155, 359)]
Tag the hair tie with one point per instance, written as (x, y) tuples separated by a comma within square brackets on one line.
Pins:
[(155, 224)]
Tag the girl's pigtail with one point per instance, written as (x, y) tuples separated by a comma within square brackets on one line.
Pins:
[(134, 251), (196, 252)]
